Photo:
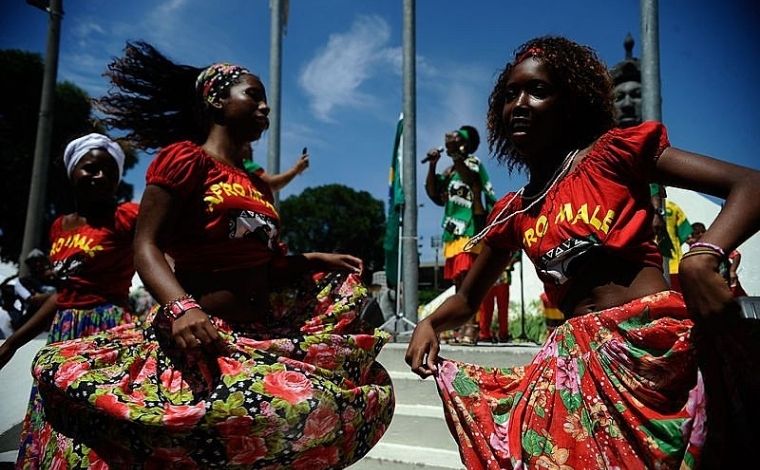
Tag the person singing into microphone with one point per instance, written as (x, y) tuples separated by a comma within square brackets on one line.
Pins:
[(466, 194)]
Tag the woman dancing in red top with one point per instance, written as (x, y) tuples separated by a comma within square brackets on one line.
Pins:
[(257, 358), (91, 252), (618, 385)]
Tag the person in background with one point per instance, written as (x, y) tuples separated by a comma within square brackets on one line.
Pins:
[(33, 289), (678, 231), (10, 308), (466, 194), (498, 294), (92, 257), (280, 180), (636, 376), (257, 358)]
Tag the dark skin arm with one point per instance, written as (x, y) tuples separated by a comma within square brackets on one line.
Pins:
[(422, 353), (280, 180), (431, 183), (156, 216), (705, 292), (39, 322)]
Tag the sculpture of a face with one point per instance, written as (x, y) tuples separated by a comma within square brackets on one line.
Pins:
[(628, 103)]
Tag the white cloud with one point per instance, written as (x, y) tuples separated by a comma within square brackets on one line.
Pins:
[(334, 77), (84, 31), (171, 6)]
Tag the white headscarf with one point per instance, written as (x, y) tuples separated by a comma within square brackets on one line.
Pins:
[(78, 148)]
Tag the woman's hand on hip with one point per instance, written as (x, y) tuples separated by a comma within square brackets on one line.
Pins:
[(705, 291)]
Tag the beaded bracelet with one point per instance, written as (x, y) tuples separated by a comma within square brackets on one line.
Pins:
[(701, 252), (709, 246), (177, 307)]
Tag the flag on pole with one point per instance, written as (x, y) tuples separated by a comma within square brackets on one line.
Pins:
[(395, 207)]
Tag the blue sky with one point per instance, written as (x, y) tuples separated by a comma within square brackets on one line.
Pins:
[(341, 90)]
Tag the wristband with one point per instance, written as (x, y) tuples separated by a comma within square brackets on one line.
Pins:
[(177, 307), (709, 246)]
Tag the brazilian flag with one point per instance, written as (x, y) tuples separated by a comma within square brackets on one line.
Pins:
[(395, 207)]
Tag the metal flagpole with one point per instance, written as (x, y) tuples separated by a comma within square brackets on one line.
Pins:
[(398, 265), (41, 163), (651, 100), (411, 259), (399, 313), (274, 93)]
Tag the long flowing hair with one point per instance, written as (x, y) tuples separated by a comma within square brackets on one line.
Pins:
[(153, 99)]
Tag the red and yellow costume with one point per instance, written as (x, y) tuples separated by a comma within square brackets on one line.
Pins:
[(296, 388), (613, 388)]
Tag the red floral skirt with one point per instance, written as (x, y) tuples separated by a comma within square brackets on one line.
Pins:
[(617, 388), (301, 390)]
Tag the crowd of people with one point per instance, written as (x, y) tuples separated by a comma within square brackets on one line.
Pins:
[(256, 357)]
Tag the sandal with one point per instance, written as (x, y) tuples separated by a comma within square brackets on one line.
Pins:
[(470, 333)]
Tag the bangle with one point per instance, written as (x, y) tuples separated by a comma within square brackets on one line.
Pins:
[(177, 307), (701, 252), (709, 246)]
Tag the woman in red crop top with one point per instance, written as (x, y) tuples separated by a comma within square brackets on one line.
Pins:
[(91, 252), (258, 358), (620, 384)]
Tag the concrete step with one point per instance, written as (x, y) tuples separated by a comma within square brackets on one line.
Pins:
[(501, 355), (421, 426), (8, 457), (385, 456), (418, 436), (412, 390)]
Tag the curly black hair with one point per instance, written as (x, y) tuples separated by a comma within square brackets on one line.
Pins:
[(154, 99), (581, 78)]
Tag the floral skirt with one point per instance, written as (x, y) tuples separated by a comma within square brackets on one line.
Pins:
[(67, 324), (617, 388), (299, 390)]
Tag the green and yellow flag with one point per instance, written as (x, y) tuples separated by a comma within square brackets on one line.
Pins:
[(395, 207)]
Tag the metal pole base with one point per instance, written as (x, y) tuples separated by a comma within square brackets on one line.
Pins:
[(399, 317)]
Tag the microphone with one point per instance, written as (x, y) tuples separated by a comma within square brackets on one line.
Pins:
[(427, 158)]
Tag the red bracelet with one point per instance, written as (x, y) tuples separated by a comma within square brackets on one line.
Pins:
[(177, 307)]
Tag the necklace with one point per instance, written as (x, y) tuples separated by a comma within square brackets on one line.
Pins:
[(498, 220)]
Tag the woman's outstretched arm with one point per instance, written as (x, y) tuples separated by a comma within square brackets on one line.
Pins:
[(422, 353)]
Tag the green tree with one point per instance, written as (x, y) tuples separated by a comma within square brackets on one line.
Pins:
[(21, 78), (335, 219)]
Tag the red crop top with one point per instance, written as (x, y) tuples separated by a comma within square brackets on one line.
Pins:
[(603, 203), (95, 264), (226, 218)]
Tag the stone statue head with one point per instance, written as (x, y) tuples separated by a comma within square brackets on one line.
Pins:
[(626, 81)]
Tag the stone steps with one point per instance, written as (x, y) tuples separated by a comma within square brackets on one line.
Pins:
[(418, 437)]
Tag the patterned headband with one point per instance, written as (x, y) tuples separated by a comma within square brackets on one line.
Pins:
[(216, 79), (534, 51)]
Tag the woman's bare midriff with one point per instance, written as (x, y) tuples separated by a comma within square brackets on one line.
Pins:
[(610, 283), (236, 295)]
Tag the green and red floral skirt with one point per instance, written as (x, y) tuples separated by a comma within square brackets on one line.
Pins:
[(617, 388), (70, 323), (300, 390)]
